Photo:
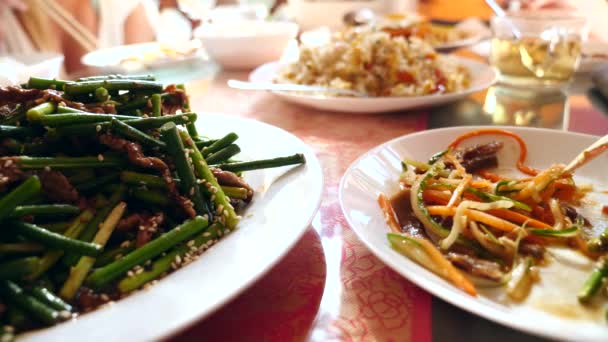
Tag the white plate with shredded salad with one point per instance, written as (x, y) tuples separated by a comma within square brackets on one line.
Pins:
[(551, 309), (482, 76), (285, 201)]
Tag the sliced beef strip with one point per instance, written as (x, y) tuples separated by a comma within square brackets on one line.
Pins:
[(57, 187), (478, 267), (479, 157), (228, 178)]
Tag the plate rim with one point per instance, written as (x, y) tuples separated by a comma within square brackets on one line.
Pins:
[(316, 172), (427, 283)]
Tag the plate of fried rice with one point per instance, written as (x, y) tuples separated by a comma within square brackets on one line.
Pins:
[(394, 73)]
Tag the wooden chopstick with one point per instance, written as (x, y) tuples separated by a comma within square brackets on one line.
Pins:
[(69, 24)]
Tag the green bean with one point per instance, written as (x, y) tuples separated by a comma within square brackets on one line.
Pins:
[(80, 175), (67, 110), (156, 105), (26, 162), (138, 178), (20, 194), (163, 264), (117, 77), (102, 94), (92, 226), (223, 154), (45, 83), (62, 120), (220, 144), (102, 276), (49, 298), (57, 227), (15, 294), (594, 282), (201, 144), (235, 192), (211, 185), (73, 231), (19, 132), (45, 210), (18, 268), (263, 163), (34, 114), (84, 265), (150, 196), (188, 184), (87, 87), (20, 248), (54, 240), (109, 256), (98, 182), (134, 134), (140, 123)]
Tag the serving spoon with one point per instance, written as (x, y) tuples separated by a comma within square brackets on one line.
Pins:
[(243, 85)]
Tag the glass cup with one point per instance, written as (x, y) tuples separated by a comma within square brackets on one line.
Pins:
[(540, 48)]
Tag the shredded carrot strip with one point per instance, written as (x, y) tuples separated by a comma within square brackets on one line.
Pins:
[(523, 151), (518, 218), (475, 215), (435, 196), (490, 176), (453, 274), (389, 213)]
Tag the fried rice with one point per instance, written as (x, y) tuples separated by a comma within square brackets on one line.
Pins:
[(373, 62)]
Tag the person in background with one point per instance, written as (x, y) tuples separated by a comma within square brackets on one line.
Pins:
[(26, 28)]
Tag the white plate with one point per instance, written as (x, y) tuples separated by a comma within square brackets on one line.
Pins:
[(477, 31), (482, 76), (284, 204), (110, 60), (378, 171)]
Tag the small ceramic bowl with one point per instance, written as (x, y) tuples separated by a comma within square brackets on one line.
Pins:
[(246, 44)]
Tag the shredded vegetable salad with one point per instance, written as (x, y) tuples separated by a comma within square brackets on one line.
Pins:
[(476, 228)]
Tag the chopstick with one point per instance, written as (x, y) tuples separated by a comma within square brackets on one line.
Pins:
[(69, 24)]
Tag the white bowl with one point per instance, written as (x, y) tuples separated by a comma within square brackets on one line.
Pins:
[(246, 44), (16, 69)]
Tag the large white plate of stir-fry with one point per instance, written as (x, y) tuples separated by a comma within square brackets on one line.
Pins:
[(127, 215), (492, 220)]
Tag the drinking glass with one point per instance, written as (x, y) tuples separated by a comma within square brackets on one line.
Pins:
[(540, 48)]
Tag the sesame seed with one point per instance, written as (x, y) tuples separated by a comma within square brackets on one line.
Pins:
[(8, 162), (206, 234), (190, 243), (213, 197), (130, 274), (178, 259), (100, 157), (104, 297), (139, 271), (47, 168), (205, 216), (191, 191), (98, 128), (125, 244)]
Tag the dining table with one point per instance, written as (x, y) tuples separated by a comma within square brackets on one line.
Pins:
[(330, 287)]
